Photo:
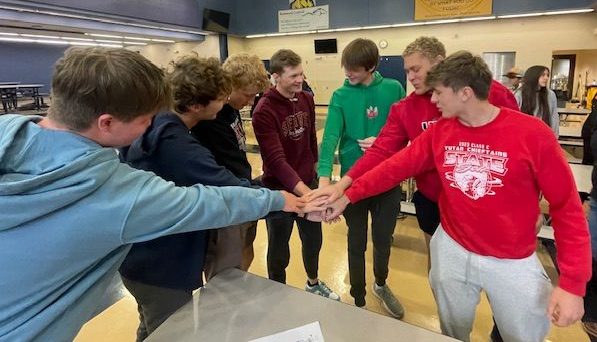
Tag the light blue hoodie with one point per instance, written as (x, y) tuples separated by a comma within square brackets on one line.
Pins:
[(69, 212)]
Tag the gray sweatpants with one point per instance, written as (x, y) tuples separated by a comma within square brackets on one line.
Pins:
[(518, 291)]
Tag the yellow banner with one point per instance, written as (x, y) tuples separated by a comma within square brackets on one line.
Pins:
[(441, 9), (298, 4)]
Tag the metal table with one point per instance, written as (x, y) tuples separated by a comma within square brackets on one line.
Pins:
[(239, 306)]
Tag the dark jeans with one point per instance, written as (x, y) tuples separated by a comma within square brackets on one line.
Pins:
[(427, 213), (155, 304), (591, 297), (279, 230), (384, 210)]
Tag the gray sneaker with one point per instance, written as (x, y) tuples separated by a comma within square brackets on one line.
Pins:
[(322, 289), (388, 300)]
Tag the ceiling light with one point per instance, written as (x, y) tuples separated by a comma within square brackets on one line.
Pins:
[(103, 35), (348, 29), (111, 45), (133, 43), (576, 11), (21, 40), (38, 36), (478, 18), (83, 43), (79, 39), (137, 38), (108, 41), (55, 42), (162, 40), (299, 32), (408, 24), (376, 27), (446, 21)]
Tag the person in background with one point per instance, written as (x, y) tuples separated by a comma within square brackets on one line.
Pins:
[(514, 76), (357, 112), (225, 138), (535, 98), (71, 210), (307, 87), (200, 88), (493, 163), (284, 125)]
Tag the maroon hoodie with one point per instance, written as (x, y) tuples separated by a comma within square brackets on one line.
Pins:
[(285, 131)]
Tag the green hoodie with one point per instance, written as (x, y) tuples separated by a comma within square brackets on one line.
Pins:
[(355, 112)]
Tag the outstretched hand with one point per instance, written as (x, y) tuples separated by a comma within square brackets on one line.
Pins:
[(335, 209), (330, 192), (299, 205)]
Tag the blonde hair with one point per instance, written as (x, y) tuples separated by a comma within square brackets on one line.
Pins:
[(89, 82), (196, 80), (429, 47), (246, 71)]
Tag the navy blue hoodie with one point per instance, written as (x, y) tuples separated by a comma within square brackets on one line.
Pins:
[(169, 150)]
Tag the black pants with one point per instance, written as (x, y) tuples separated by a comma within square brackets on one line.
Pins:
[(279, 230), (427, 213), (591, 297), (155, 304), (384, 210)]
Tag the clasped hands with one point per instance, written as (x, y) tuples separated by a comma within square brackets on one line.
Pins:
[(325, 204)]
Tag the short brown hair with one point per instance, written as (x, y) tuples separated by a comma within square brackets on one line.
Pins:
[(360, 53), (283, 58), (246, 71), (88, 82), (196, 80), (429, 47), (459, 70)]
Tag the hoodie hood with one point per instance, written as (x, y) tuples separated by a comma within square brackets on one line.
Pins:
[(278, 99), (146, 145), (377, 79), (45, 169)]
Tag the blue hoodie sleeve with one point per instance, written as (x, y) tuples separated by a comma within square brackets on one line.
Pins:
[(160, 208)]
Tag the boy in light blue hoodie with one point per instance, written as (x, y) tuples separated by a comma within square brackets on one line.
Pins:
[(70, 210)]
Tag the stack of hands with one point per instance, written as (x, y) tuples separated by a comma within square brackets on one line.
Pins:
[(325, 204)]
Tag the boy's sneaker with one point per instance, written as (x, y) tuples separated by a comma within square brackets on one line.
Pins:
[(388, 300), (322, 289)]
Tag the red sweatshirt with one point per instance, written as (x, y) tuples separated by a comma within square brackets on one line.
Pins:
[(406, 121), (285, 131), (491, 177)]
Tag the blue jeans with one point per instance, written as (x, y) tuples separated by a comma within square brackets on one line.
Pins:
[(593, 227)]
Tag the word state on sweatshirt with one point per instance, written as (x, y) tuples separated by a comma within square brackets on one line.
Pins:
[(476, 168)]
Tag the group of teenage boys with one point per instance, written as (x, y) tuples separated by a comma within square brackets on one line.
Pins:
[(476, 159)]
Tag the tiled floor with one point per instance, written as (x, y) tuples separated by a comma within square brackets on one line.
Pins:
[(407, 278)]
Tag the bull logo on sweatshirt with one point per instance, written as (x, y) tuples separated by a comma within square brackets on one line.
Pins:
[(372, 112), (476, 168)]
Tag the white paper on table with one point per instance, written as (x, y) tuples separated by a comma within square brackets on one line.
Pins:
[(307, 333)]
